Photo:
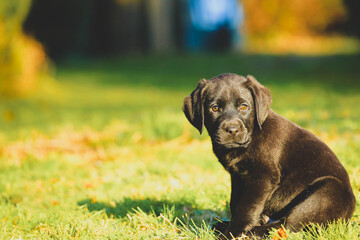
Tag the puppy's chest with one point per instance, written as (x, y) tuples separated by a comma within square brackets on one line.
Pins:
[(236, 164)]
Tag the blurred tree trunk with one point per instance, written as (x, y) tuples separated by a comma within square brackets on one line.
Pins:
[(352, 25), (58, 24), (161, 25), (118, 26)]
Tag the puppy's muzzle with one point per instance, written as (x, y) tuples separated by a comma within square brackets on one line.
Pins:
[(232, 131), (232, 126)]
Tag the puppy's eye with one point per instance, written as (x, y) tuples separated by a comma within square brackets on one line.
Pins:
[(243, 107), (215, 108)]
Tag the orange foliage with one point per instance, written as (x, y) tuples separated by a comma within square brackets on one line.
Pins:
[(302, 44), (297, 26), (300, 17), (21, 59)]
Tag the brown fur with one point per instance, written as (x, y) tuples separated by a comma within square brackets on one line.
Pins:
[(278, 169)]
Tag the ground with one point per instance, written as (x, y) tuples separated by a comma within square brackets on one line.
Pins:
[(105, 152)]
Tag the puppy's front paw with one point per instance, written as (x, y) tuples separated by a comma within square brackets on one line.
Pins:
[(223, 233), (220, 226)]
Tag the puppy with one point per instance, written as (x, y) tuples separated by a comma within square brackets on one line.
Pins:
[(279, 171)]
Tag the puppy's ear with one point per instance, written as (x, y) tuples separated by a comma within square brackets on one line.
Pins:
[(262, 99), (193, 106)]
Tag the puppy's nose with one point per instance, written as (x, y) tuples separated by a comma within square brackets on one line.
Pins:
[(232, 130)]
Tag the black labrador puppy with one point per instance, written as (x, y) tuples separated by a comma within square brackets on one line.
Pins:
[(281, 174)]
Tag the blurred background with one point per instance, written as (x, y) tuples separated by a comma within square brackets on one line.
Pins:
[(38, 33), (91, 92)]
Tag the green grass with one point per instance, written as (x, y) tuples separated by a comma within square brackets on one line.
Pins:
[(106, 153)]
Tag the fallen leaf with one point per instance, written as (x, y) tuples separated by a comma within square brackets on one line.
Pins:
[(280, 234)]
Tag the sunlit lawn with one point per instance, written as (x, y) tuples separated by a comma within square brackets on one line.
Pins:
[(106, 153)]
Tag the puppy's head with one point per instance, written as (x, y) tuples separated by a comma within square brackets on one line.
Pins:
[(230, 106)]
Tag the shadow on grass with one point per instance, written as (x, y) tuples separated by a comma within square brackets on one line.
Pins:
[(149, 206)]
